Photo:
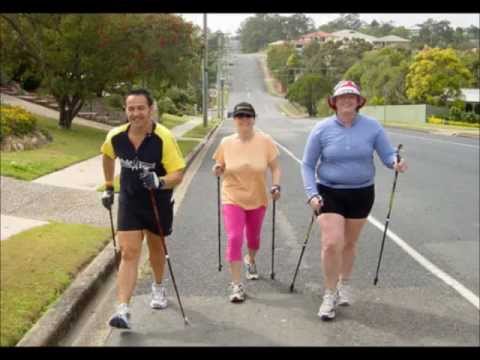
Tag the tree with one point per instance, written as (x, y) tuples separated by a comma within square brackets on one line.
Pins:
[(378, 29), (436, 75), (333, 58), (296, 25), (277, 62), (381, 75), (344, 21), (471, 59), (307, 90), (79, 55), (434, 34), (258, 31), (66, 50)]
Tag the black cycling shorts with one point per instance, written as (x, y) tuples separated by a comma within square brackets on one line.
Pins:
[(135, 215), (350, 203)]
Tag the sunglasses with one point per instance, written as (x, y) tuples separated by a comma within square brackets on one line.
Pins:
[(241, 116)]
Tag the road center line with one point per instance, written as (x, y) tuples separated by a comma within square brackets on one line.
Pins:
[(447, 279)]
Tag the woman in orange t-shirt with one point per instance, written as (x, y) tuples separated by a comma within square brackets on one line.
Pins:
[(243, 159)]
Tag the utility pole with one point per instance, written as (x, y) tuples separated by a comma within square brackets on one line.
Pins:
[(205, 72), (219, 56), (222, 81)]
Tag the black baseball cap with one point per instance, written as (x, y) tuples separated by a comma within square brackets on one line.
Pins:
[(243, 108)]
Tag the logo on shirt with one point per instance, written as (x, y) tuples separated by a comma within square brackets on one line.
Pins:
[(136, 164)]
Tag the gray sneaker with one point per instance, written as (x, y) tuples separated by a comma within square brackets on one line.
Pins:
[(327, 309), (251, 273), (238, 293), (159, 297), (121, 319), (344, 293)]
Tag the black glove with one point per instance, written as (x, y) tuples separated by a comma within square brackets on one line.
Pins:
[(151, 180), (107, 197)]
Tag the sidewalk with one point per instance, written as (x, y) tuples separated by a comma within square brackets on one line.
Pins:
[(43, 111)]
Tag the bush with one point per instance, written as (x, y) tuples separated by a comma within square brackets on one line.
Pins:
[(439, 121), (456, 114), (323, 110), (115, 101), (16, 121), (31, 83), (166, 105)]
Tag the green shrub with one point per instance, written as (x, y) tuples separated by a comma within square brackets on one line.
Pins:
[(457, 114), (30, 82), (440, 121), (115, 101), (16, 121), (166, 105), (323, 110)]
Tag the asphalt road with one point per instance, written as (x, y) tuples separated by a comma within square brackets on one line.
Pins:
[(435, 212)]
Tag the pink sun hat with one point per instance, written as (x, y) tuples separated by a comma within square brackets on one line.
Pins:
[(346, 87)]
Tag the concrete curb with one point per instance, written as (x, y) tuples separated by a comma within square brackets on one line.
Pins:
[(52, 326)]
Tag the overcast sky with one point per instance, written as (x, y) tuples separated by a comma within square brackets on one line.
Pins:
[(230, 22)]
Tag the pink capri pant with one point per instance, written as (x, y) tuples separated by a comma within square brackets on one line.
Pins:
[(237, 221)]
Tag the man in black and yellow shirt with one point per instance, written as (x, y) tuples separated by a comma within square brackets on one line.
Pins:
[(150, 159)]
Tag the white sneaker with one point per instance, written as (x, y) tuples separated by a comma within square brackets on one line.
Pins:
[(327, 309), (344, 293), (159, 297), (251, 273), (121, 319), (238, 293)]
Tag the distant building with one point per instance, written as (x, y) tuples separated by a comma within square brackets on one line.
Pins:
[(345, 36), (471, 98), (279, 42), (349, 35), (302, 41), (391, 40)]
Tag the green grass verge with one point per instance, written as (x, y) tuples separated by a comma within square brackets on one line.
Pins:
[(170, 121), (37, 265), (293, 110), (185, 145), (430, 127), (68, 147), (201, 131)]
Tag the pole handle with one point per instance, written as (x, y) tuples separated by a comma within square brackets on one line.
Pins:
[(399, 147)]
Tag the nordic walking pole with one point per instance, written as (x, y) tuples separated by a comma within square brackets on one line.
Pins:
[(219, 226), (307, 236), (115, 253), (388, 215), (159, 228), (272, 274)]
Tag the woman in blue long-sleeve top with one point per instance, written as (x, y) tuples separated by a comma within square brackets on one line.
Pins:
[(338, 175)]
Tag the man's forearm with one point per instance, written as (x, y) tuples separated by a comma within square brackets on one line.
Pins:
[(108, 169), (173, 179)]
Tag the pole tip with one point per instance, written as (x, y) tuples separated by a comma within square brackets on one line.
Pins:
[(219, 267), (187, 323), (291, 288), (272, 276), (375, 281)]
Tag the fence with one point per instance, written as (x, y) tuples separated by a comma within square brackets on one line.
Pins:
[(411, 114)]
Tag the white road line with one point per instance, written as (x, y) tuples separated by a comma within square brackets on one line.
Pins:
[(434, 140), (461, 289), (467, 294)]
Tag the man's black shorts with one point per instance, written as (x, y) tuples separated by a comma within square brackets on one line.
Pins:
[(137, 214), (350, 203)]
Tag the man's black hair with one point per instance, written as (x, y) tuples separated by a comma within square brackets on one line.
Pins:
[(143, 92)]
